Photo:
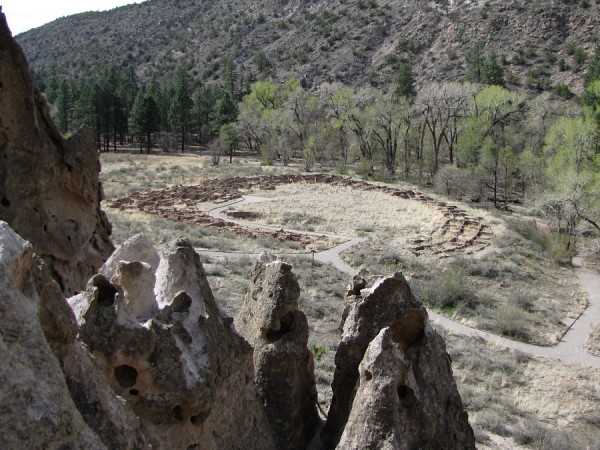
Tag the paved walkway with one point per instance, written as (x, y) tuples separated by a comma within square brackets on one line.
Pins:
[(569, 349)]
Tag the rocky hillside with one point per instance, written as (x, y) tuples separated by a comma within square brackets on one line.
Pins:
[(541, 43)]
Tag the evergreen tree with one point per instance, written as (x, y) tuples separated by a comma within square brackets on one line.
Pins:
[(475, 60), (52, 89), (203, 111), (492, 72), (126, 91), (84, 109), (593, 71), (230, 77), (229, 139), (145, 117), (181, 105), (226, 111), (405, 83), (64, 106)]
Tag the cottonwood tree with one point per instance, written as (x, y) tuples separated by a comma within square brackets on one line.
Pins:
[(387, 125), (572, 166), (442, 106), (338, 104), (299, 116), (250, 123), (360, 124), (494, 110), (257, 122)]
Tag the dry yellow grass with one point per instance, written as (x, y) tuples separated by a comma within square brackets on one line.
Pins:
[(343, 210), (592, 344), (126, 172), (525, 402), (129, 222)]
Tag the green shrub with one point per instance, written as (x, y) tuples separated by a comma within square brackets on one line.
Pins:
[(318, 351), (449, 291), (555, 245), (511, 321)]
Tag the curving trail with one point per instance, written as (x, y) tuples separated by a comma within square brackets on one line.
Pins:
[(568, 350)]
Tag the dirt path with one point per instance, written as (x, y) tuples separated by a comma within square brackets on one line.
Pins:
[(568, 350)]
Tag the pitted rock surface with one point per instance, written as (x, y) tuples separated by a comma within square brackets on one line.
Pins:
[(284, 369), (171, 352), (406, 396), (49, 188), (54, 396), (388, 303)]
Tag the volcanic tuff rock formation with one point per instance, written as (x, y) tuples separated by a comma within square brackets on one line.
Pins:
[(52, 393), (407, 357), (406, 396), (166, 347), (271, 321), (49, 188)]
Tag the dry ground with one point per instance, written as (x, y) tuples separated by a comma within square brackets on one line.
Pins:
[(592, 344), (514, 401)]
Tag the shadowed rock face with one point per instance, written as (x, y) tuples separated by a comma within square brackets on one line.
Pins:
[(419, 373), (165, 346), (49, 189), (54, 394), (284, 370), (406, 396)]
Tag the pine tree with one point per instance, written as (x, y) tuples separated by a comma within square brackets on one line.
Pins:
[(64, 106), (226, 111), (475, 60), (405, 83), (593, 71), (181, 105), (492, 72), (145, 117)]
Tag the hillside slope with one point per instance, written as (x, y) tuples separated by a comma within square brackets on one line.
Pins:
[(353, 41)]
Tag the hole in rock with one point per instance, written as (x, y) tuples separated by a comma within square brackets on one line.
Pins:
[(133, 392), (177, 413), (409, 329), (198, 418), (285, 325), (126, 375), (106, 291), (45, 228), (406, 396), (182, 302), (5, 202), (368, 375)]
